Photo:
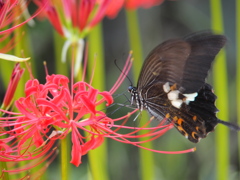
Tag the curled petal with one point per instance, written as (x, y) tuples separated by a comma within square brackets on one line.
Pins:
[(107, 96), (9, 57)]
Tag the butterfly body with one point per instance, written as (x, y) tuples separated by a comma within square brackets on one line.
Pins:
[(172, 84)]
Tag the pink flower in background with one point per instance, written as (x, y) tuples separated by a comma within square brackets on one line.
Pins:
[(9, 10), (115, 6), (74, 17), (13, 14), (134, 4)]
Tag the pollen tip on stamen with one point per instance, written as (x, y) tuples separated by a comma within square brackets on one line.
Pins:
[(151, 118), (128, 114), (45, 67), (194, 149), (130, 52), (132, 59)]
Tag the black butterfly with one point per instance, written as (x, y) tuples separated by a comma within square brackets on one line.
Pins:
[(172, 84)]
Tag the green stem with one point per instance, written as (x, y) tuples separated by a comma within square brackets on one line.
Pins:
[(96, 55), (238, 67), (98, 156), (3, 165), (64, 159), (220, 84), (23, 49), (134, 41), (146, 157)]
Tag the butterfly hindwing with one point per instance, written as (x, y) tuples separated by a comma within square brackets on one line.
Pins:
[(204, 48)]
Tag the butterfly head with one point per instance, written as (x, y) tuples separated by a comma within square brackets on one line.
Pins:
[(132, 89), (135, 98)]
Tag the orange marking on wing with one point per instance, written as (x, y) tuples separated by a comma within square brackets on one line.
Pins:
[(180, 121), (167, 115), (193, 135), (175, 118), (194, 118), (182, 131), (173, 87)]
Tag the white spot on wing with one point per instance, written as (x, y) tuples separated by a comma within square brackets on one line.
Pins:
[(173, 95), (177, 103), (190, 97), (166, 87)]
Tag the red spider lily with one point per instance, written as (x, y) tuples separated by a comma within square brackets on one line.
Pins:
[(74, 17), (73, 20), (77, 17), (51, 111), (11, 14), (116, 5), (15, 77), (11, 11), (133, 4)]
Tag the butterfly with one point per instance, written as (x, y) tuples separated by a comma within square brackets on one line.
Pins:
[(172, 84)]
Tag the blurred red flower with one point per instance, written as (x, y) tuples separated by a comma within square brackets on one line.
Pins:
[(74, 17), (13, 14), (116, 5)]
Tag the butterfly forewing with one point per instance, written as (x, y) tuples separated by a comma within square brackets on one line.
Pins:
[(161, 63)]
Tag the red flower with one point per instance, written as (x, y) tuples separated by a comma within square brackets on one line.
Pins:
[(115, 6), (74, 17), (9, 9), (133, 4), (51, 111), (11, 12)]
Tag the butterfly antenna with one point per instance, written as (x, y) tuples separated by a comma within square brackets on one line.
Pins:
[(230, 125), (115, 62)]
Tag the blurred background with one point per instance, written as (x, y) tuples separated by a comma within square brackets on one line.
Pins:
[(171, 19)]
